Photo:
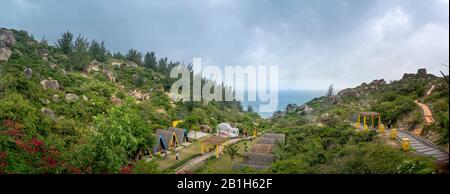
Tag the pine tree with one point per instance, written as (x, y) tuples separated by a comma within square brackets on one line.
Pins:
[(80, 55), (135, 56), (150, 60), (98, 50), (65, 42)]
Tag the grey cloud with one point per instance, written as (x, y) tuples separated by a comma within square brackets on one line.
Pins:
[(315, 43)]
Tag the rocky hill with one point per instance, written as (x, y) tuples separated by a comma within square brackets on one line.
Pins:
[(77, 108), (394, 100)]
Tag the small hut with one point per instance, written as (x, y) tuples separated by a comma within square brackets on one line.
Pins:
[(182, 134), (170, 138), (160, 144), (216, 142)]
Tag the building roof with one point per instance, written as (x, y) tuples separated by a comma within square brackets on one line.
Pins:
[(181, 133), (266, 140), (258, 159), (262, 148), (167, 135), (369, 113), (215, 140), (160, 139)]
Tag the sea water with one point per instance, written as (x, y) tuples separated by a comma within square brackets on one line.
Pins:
[(285, 97)]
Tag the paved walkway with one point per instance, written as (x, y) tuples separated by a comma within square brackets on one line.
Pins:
[(191, 163), (424, 147)]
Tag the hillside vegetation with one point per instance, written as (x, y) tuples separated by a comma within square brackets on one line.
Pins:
[(322, 137), (77, 108)]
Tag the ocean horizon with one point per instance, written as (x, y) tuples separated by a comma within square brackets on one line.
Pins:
[(285, 97)]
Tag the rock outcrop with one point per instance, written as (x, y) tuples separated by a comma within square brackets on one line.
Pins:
[(139, 95), (93, 66), (48, 112), (70, 97), (110, 75), (28, 73), (6, 41), (50, 84)]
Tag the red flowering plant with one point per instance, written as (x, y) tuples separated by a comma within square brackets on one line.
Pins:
[(28, 150)]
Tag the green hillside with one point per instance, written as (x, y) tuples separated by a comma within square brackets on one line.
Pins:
[(77, 108)]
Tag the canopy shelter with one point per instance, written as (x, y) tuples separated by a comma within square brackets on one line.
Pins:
[(214, 141), (160, 144), (182, 134), (258, 160), (366, 115), (272, 138), (170, 138), (263, 148)]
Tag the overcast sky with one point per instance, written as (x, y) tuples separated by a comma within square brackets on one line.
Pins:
[(314, 43)]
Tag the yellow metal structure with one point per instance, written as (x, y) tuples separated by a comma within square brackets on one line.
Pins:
[(201, 147), (366, 128), (254, 133), (176, 122), (405, 144), (393, 133), (381, 128), (359, 121), (217, 151), (372, 120)]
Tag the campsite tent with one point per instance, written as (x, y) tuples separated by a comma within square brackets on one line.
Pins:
[(182, 134), (225, 130), (170, 138)]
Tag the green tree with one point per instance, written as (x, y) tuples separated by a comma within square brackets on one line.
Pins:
[(135, 56), (232, 150), (119, 134), (98, 50), (65, 42), (80, 55), (249, 108), (162, 64), (150, 60)]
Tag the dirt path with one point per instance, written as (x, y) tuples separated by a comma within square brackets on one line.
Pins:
[(427, 115), (191, 163), (426, 112)]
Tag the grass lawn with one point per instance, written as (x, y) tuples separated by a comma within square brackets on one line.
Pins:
[(222, 164), (186, 152)]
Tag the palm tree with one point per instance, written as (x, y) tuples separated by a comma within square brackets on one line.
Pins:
[(232, 150)]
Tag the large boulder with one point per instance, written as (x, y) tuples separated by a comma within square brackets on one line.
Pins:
[(139, 95), (348, 93), (55, 98), (6, 41), (43, 53), (93, 66), (48, 112), (70, 97), (28, 73), (291, 108), (7, 37), (422, 72), (110, 75), (50, 84)]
